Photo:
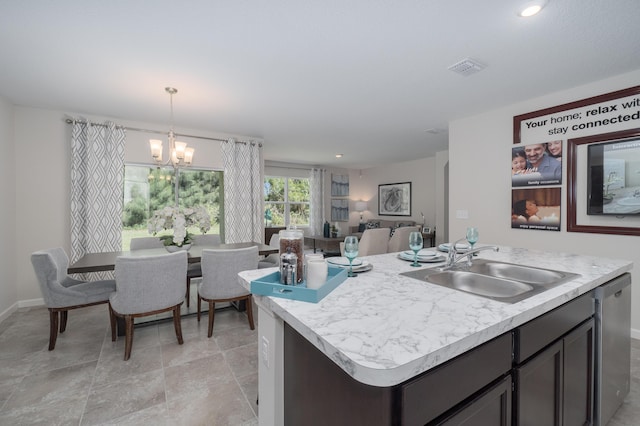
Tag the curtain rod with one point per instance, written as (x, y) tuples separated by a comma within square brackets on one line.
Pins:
[(134, 129)]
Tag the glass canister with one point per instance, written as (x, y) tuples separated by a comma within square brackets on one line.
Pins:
[(293, 240)]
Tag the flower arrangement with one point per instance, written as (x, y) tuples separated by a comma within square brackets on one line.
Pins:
[(179, 219)]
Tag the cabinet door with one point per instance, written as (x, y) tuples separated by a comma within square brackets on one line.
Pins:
[(539, 389), (578, 376), (492, 407)]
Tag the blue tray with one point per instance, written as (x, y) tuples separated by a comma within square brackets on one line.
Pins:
[(269, 285)]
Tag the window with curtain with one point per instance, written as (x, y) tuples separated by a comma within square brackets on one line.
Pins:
[(150, 188), (287, 201)]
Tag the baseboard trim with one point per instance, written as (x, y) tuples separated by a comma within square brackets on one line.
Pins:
[(7, 312), (31, 303)]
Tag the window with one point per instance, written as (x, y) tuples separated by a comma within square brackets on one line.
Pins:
[(150, 188), (286, 201)]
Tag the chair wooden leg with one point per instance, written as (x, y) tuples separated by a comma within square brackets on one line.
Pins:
[(112, 321), (63, 321), (211, 314), (128, 341), (188, 290), (250, 312), (53, 328), (199, 305), (177, 324)]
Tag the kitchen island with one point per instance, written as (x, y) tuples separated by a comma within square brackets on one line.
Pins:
[(383, 329)]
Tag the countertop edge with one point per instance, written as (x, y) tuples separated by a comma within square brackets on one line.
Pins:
[(382, 377)]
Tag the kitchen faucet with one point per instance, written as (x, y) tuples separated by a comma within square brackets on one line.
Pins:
[(452, 259)]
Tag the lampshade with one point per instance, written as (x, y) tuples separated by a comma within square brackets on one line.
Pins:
[(361, 206)]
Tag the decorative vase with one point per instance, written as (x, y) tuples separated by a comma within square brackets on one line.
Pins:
[(173, 249)]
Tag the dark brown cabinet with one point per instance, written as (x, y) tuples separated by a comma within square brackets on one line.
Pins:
[(555, 386), (492, 407), (541, 373), (474, 385)]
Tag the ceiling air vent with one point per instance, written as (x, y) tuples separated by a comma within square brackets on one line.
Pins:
[(467, 67)]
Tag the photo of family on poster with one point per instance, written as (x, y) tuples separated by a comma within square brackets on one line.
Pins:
[(537, 208), (537, 164)]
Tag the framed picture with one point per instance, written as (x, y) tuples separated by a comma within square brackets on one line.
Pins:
[(601, 196), (339, 185), (394, 199), (339, 210), (426, 230)]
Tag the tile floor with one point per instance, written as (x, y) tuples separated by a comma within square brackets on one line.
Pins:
[(85, 381)]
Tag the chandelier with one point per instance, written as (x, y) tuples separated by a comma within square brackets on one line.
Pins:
[(179, 154)]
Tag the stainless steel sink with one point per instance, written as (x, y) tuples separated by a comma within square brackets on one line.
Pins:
[(505, 282), (524, 274)]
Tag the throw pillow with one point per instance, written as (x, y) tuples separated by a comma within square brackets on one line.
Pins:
[(373, 225)]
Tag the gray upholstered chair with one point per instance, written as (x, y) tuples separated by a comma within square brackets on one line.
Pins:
[(140, 243), (220, 279), (373, 241), (195, 269), (62, 293), (274, 258), (147, 285), (399, 241)]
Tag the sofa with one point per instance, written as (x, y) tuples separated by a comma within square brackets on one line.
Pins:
[(379, 223)]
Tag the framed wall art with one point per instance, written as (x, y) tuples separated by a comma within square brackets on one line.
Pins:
[(339, 210), (394, 199), (339, 185)]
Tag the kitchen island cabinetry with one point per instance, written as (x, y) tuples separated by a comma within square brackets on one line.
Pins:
[(555, 386), (318, 392), (385, 336)]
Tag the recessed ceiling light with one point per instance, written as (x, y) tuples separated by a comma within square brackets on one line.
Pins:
[(531, 8), (338, 155)]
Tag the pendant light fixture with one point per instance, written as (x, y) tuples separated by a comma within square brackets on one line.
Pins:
[(179, 154)]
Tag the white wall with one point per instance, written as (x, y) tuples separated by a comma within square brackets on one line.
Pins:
[(363, 185), (480, 182), (8, 289), (41, 187)]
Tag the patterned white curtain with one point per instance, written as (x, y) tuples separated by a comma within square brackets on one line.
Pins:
[(97, 174), (316, 183), (243, 198)]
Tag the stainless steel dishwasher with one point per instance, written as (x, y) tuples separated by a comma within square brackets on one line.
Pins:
[(613, 347)]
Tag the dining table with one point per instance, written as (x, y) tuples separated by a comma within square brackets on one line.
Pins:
[(106, 261)]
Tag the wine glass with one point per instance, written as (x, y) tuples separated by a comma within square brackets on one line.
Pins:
[(472, 236), (415, 244), (351, 252)]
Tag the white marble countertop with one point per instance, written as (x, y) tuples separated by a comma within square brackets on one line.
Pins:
[(383, 328)]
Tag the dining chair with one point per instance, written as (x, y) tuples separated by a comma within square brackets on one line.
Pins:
[(61, 293), (147, 285), (140, 243), (273, 259), (373, 241), (220, 270), (194, 270), (399, 241)]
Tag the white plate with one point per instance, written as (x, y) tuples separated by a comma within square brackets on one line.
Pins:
[(343, 261), (422, 259), (361, 267), (459, 246), (421, 253)]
